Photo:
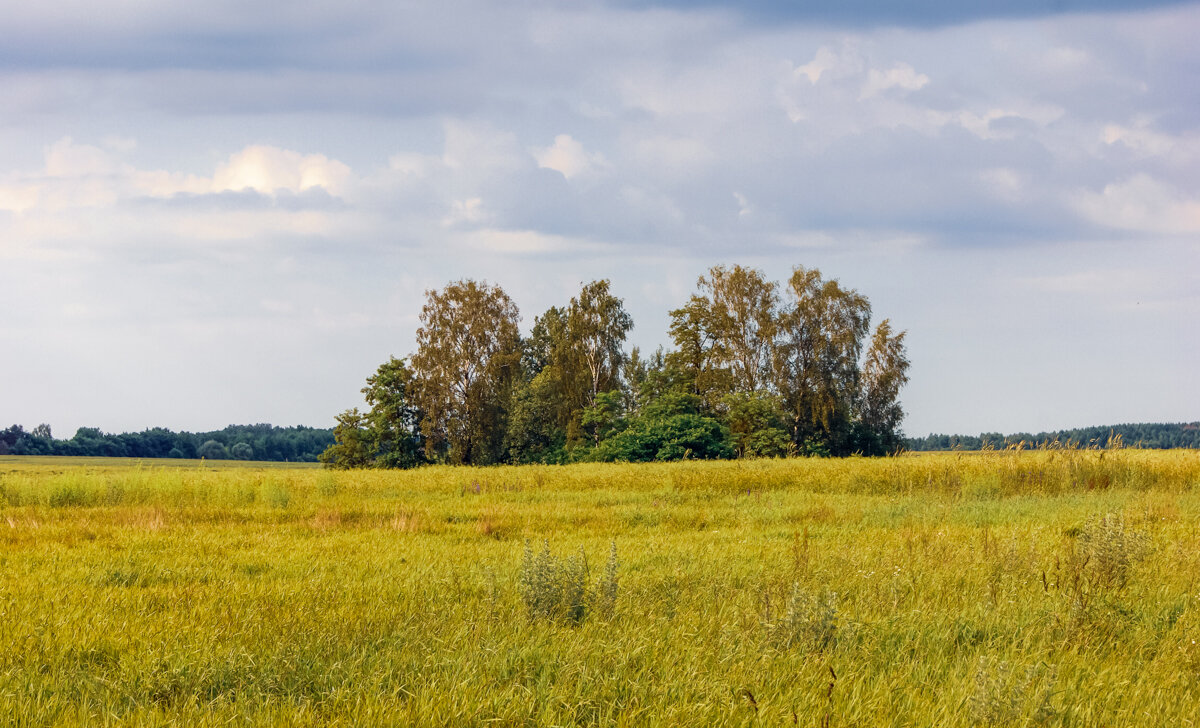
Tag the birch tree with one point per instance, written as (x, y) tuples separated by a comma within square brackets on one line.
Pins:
[(467, 358)]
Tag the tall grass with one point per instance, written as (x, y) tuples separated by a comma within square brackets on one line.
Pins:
[(1004, 588)]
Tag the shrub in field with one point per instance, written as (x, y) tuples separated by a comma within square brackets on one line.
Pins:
[(1096, 570), (1111, 548), (556, 589), (606, 591), (809, 621), (1006, 697)]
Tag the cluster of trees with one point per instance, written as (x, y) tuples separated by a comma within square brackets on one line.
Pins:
[(758, 369), (236, 442), (1157, 435)]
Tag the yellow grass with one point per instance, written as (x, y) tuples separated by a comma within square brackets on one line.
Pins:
[(1035, 588)]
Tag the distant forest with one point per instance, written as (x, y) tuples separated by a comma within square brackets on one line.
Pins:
[(1151, 435), (236, 442)]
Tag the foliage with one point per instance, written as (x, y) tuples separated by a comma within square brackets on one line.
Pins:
[(353, 445), (467, 359), (554, 589), (757, 424), (731, 322), (213, 450), (1146, 435), (534, 433), (1007, 697), (761, 377), (884, 374), (241, 451), (261, 442), (394, 419), (596, 327), (816, 362), (677, 437), (809, 621)]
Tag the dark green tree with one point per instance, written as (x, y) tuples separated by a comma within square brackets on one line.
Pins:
[(211, 450), (394, 418), (757, 424), (353, 442)]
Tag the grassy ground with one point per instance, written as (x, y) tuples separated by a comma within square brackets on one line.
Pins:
[(992, 589)]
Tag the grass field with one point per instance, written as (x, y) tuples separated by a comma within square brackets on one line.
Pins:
[(1035, 588)]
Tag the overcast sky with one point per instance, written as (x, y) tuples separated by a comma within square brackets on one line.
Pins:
[(227, 212)]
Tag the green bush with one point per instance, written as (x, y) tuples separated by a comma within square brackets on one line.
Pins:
[(554, 589)]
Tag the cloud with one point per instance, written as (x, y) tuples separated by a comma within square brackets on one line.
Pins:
[(567, 157), (270, 169), (81, 176), (1141, 204), (479, 148), (923, 13), (825, 60), (900, 76), (65, 158), (19, 197)]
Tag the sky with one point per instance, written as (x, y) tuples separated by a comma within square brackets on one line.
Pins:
[(229, 212)]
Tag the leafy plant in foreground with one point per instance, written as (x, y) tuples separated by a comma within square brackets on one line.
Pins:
[(1005, 697), (808, 620), (556, 589)]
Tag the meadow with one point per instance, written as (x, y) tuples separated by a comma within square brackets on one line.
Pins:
[(1011, 588)]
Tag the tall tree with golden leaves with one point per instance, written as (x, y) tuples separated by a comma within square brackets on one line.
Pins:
[(821, 333), (468, 355), (884, 374)]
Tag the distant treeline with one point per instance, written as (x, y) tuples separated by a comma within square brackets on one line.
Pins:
[(1154, 435), (236, 442)]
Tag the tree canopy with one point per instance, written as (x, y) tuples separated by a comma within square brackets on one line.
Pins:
[(752, 373)]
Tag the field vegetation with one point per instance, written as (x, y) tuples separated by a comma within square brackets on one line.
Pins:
[(995, 589)]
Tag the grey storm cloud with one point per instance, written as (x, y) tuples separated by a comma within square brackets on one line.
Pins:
[(859, 13)]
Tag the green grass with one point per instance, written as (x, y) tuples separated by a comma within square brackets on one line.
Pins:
[(995, 589)]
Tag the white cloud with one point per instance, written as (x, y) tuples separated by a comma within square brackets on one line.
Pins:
[(1142, 204), (76, 176), (470, 210), (19, 197), (1142, 138), (1139, 138), (743, 204), (410, 163), (1091, 282), (1005, 183), (901, 76), (567, 156), (270, 169), (824, 60), (65, 158)]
